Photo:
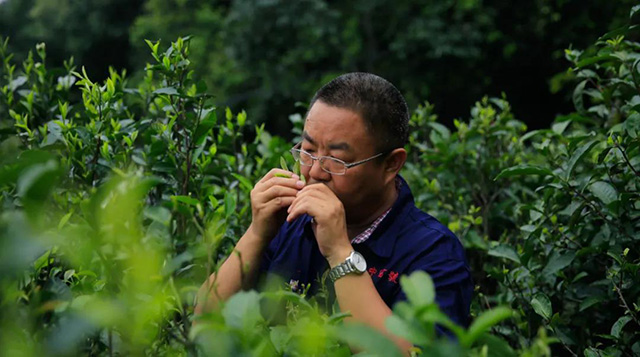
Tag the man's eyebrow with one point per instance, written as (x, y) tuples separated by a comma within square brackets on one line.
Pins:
[(334, 146), (308, 138), (340, 146)]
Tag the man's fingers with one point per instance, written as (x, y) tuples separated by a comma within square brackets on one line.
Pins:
[(306, 204), (271, 174), (279, 181), (281, 202), (300, 208), (306, 194), (276, 204), (278, 191)]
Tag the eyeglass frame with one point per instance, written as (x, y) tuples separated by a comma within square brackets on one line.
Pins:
[(320, 158)]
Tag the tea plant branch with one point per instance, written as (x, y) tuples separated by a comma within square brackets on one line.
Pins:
[(566, 347), (96, 155), (190, 148), (178, 337), (519, 295), (632, 69), (94, 161), (110, 334), (596, 209), (566, 237), (183, 327), (624, 303), (626, 159)]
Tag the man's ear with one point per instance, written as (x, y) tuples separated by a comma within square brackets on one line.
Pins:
[(394, 162)]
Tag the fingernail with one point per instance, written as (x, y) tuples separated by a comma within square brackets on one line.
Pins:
[(300, 184)]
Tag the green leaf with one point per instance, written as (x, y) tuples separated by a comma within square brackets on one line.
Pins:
[(242, 310), (242, 118), (497, 347), (186, 200), (166, 90), (440, 129), (205, 126), (542, 305), (604, 191), (559, 128), (367, 339), (621, 31), (523, 169), (283, 163), (484, 322), (37, 181), (244, 182), (578, 101), (579, 276), (594, 352), (280, 337), (229, 204), (591, 60), (159, 214), (296, 170), (634, 10), (338, 317), (64, 220), (558, 262), (617, 327), (419, 288), (412, 333), (506, 252), (577, 156)]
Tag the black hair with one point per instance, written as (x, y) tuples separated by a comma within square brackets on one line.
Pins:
[(379, 103)]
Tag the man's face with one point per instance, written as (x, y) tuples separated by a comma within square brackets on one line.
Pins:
[(341, 133)]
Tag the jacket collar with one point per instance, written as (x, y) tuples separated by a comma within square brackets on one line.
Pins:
[(383, 246)]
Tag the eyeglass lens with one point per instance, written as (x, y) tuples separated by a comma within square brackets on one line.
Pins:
[(326, 163)]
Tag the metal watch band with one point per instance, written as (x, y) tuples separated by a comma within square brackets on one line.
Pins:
[(341, 270)]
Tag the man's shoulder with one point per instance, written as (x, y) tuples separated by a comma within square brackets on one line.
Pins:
[(423, 233)]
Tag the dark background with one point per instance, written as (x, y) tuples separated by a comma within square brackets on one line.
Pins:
[(267, 55)]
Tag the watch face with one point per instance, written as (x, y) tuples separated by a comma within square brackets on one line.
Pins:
[(358, 261)]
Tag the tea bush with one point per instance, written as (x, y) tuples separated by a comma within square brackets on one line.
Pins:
[(550, 217), (119, 200)]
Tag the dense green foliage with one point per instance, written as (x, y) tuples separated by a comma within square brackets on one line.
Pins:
[(558, 207), (265, 56), (118, 200), (117, 207)]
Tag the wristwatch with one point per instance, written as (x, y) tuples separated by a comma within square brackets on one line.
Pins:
[(354, 263)]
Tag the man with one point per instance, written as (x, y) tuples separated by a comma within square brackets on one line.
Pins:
[(354, 215)]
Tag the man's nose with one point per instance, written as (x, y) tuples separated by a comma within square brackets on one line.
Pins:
[(317, 173)]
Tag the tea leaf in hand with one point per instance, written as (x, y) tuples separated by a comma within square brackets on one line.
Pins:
[(283, 164)]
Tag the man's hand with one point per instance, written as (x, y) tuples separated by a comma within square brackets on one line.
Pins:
[(269, 198), (329, 221)]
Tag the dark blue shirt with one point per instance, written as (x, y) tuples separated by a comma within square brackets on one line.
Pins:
[(405, 241)]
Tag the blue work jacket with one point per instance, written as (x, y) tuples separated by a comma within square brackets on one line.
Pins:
[(405, 241)]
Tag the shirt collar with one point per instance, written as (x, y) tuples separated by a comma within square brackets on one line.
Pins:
[(383, 246)]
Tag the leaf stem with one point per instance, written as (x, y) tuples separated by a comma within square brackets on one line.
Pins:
[(626, 159), (624, 303)]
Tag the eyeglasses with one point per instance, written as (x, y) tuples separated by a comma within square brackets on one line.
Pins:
[(327, 163)]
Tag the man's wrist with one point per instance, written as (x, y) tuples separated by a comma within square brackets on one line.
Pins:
[(255, 237), (339, 256)]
